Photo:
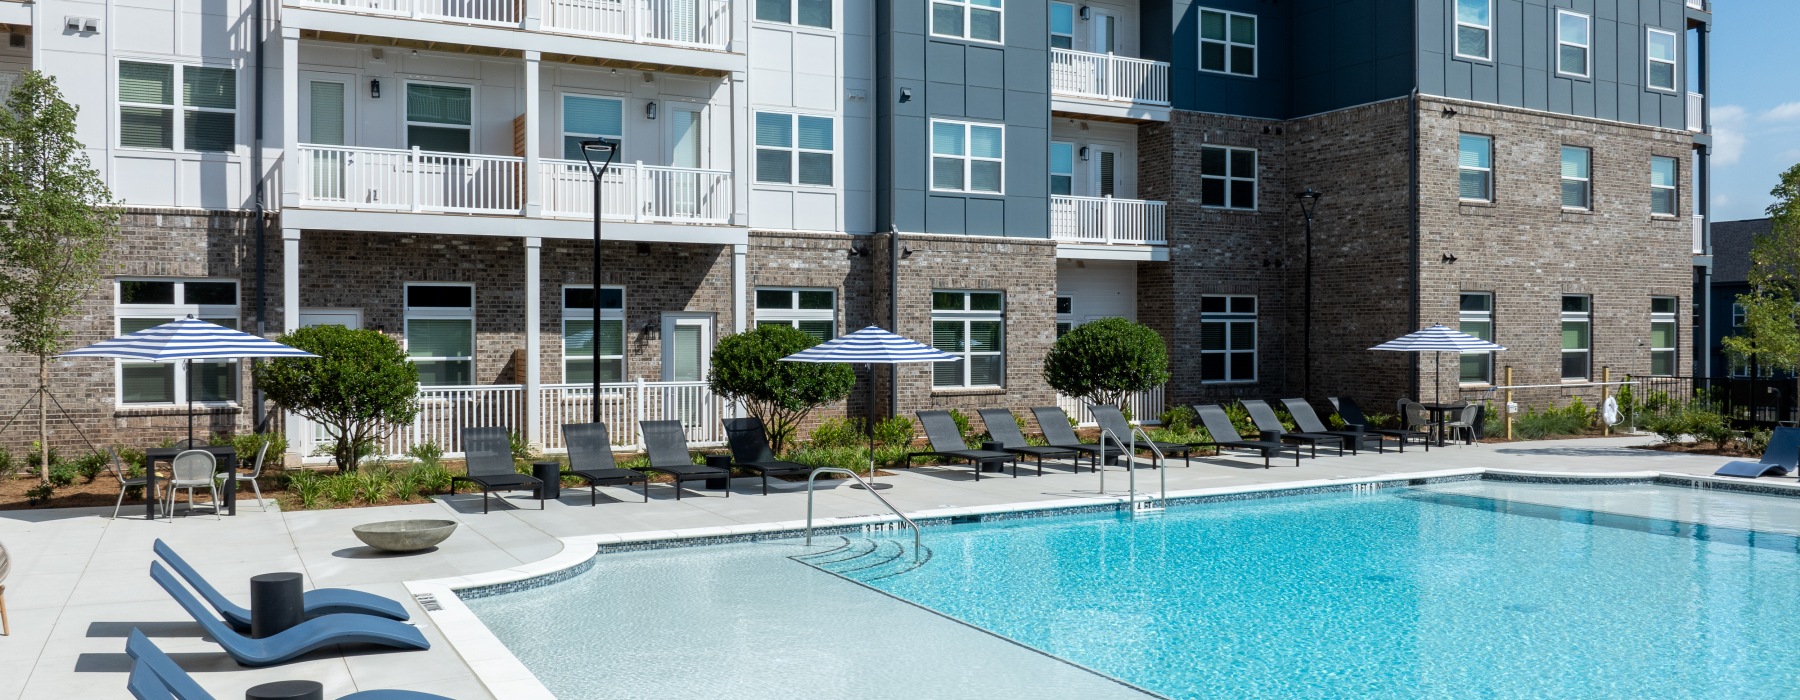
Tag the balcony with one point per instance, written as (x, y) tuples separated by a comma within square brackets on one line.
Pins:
[(1697, 4), (1107, 221), (1106, 83), (1699, 235), (1696, 112), (395, 180), (701, 24)]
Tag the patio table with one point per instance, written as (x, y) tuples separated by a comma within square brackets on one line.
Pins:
[(1439, 411), (226, 456)]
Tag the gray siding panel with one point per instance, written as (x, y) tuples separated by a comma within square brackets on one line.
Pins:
[(1512, 85), (947, 214)]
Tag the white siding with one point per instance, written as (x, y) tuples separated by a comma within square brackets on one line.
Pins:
[(1101, 289)]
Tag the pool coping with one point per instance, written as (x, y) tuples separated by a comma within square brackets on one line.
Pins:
[(495, 666)]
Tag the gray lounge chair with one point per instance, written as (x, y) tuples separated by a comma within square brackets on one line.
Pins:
[(750, 450), (1113, 421), (155, 676), (1225, 436), (946, 441), (591, 459), (314, 603), (1354, 418), (1781, 457), (1309, 422), (1057, 431), (665, 443), (311, 634), (488, 454), (1002, 428), (1270, 424)]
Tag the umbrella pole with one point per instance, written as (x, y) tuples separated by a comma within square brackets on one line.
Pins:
[(1437, 379), (190, 393)]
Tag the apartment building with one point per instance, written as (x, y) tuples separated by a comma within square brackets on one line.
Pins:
[(978, 174)]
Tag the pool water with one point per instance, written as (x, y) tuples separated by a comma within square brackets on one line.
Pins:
[(1467, 589)]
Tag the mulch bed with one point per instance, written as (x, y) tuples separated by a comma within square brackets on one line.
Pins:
[(102, 491)]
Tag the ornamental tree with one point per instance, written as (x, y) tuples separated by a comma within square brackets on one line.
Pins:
[(1772, 308), (747, 367), (1106, 361), (359, 387)]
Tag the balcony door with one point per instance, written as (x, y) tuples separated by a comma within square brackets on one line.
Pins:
[(327, 123), (687, 357), (1106, 31), (1105, 169), (684, 189)]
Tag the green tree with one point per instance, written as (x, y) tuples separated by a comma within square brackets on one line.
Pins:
[(59, 223), (747, 367), (1106, 361), (359, 387), (1772, 308)]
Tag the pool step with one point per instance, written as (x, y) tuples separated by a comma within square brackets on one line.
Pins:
[(867, 559)]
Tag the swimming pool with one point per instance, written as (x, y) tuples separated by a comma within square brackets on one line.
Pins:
[(1461, 589)]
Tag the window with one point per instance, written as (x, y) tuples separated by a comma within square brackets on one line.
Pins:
[(793, 149), (1572, 43), (1062, 25), (1475, 170), (438, 118), (971, 326), (1662, 336), (1739, 315), (967, 157), (1227, 339), (1740, 368), (144, 303), (1227, 42), (578, 334), (147, 107), (811, 13), (1575, 179), (1663, 171), (813, 311), (1227, 177), (978, 20), (1062, 168), (1660, 55), (586, 118), (1577, 326), (440, 333), (1474, 26), (1477, 319), (1065, 315)]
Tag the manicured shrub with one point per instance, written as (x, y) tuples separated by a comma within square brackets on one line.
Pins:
[(747, 367), (1106, 361), (359, 387), (91, 465)]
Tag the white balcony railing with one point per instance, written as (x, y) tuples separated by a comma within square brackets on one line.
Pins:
[(1108, 77), (1697, 4), (638, 192), (1696, 111), (1107, 220), (1146, 407), (503, 13), (411, 180), (1699, 235), (696, 23)]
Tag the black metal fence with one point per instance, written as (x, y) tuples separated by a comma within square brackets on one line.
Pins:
[(1747, 402)]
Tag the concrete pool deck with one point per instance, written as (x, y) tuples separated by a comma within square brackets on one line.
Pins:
[(79, 582)]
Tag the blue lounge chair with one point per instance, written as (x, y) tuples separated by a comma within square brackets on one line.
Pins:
[(319, 601), (1781, 457), (154, 676), (307, 636)]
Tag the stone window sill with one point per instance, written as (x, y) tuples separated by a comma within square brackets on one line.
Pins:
[(182, 410), (968, 391), (1578, 212), (1475, 203)]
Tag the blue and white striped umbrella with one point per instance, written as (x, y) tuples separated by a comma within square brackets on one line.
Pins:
[(870, 345), (186, 339), (1438, 338)]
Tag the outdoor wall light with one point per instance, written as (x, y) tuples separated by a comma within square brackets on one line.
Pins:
[(1449, 112), (650, 110), (1084, 153), (856, 252), (1449, 259), (905, 94), (375, 88), (1085, 12)]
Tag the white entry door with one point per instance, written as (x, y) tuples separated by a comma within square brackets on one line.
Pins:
[(687, 356), (348, 318)]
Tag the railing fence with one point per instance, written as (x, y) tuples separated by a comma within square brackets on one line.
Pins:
[(1109, 77), (1146, 408), (1108, 220)]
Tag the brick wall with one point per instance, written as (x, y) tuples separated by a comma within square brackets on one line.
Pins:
[(823, 261)]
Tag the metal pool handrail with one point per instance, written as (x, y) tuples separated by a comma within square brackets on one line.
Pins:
[(840, 470), (1162, 469), (1130, 464)]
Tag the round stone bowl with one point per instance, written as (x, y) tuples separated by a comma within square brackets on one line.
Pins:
[(404, 535)]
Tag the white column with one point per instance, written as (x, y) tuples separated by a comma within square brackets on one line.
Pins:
[(534, 428), (740, 302), (290, 322), (534, 181), (740, 150), (533, 18), (290, 119)]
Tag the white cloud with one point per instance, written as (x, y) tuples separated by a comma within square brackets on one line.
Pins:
[(1721, 200), (1728, 132), (1788, 111)]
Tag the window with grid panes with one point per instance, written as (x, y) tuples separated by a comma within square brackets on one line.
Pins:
[(978, 20), (1476, 318), (1227, 42), (972, 326), (1659, 71), (1475, 167), (1577, 337), (1227, 339), (1474, 28), (807, 13), (1662, 186), (813, 311), (440, 333), (1227, 177), (1062, 25), (1662, 336), (1572, 43), (148, 107), (794, 149), (585, 118), (1577, 181), (582, 328), (145, 303), (968, 157)]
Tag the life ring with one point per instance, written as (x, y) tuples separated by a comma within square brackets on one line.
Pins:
[(1610, 411)]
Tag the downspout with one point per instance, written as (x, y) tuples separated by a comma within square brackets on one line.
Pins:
[(1412, 204), (258, 210), (893, 310)]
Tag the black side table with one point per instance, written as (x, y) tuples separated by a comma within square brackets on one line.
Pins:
[(277, 603), (551, 474), (719, 462), (287, 690), (993, 466)]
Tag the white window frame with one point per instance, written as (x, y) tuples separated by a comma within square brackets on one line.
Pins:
[(575, 314), (1584, 317), (1230, 177), (968, 6), (1563, 179), (795, 149), (1487, 317), (966, 317), (967, 158), (406, 121), (1673, 63), (1070, 34), (1740, 316), (1457, 24), (1065, 320), (177, 108), (1488, 196), (1673, 350), (1233, 321), (562, 121), (1228, 43), (1738, 367), (794, 15), (1674, 187), (409, 313), (1587, 49), (793, 316), (164, 313), (1070, 173)]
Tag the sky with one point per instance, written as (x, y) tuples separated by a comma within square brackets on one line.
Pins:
[(1755, 102)]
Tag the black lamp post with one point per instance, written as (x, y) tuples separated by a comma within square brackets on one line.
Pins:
[(1309, 201), (611, 148)]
